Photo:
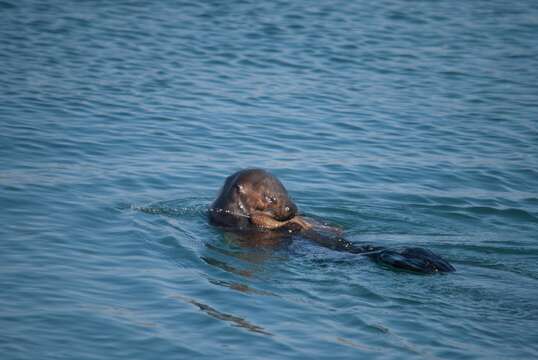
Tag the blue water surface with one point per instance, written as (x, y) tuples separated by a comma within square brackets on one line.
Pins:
[(406, 123)]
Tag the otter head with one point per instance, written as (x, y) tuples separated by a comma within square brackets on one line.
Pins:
[(259, 191), (249, 193)]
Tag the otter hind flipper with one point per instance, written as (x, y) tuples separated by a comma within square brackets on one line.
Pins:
[(413, 259)]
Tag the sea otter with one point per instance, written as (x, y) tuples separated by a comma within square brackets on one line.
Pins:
[(254, 201)]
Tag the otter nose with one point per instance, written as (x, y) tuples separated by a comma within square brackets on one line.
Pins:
[(290, 209)]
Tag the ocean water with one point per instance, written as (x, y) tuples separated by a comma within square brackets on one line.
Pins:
[(406, 123)]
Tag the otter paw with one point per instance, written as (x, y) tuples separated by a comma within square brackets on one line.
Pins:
[(414, 259)]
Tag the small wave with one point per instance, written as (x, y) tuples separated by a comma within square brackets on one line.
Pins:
[(509, 212), (172, 208), (233, 319), (6, 5), (476, 211)]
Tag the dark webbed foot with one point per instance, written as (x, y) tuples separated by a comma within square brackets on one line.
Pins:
[(413, 259)]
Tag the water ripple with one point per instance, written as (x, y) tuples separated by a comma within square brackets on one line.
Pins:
[(401, 122)]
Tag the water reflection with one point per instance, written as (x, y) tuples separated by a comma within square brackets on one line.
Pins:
[(240, 287), (226, 267)]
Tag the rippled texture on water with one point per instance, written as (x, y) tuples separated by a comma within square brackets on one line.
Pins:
[(404, 122)]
